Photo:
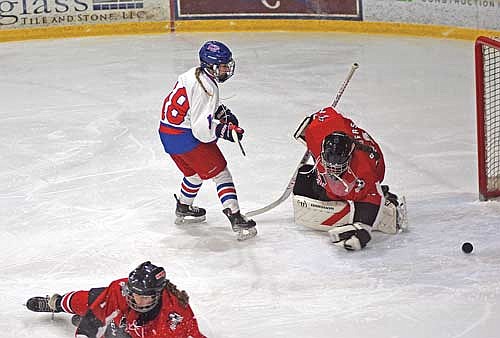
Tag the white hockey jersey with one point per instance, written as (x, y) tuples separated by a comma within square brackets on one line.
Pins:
[(187, 113)]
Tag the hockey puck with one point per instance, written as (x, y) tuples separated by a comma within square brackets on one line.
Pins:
[(467, 247)]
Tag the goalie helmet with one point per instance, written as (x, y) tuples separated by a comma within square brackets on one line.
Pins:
[(336, 152), (144, 287), (217, 60)]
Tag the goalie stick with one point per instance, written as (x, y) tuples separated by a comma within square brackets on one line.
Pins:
[(307, 155)]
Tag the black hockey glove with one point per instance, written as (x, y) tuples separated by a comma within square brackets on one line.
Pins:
[(116, 332), (224, 130), (224, 115)]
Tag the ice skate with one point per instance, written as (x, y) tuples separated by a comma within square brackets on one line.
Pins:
[(245, 228), (188, 214), (45, 304)]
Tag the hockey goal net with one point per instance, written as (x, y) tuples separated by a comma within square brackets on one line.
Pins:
[(487, 59)]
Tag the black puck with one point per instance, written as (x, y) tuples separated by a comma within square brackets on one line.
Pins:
[(467, 247)]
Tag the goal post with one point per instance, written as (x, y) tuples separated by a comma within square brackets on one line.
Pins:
[(487, 61)]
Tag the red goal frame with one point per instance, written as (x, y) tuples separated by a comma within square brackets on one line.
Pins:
[(488, 126)]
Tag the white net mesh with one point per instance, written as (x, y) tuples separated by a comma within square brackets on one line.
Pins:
[(491, 107)]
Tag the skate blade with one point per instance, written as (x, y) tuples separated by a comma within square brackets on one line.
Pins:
[(244, 234), (180, 220)]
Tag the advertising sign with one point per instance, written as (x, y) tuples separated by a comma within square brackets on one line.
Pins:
[(476, 14), (42, 13), (223, 9)]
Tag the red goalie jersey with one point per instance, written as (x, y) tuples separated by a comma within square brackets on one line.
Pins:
[(361, 181)]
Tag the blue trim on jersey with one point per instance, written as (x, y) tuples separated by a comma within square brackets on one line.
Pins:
[(228, 197), (179, 143)]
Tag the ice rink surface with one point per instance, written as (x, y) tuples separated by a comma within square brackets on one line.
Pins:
[(86, 191)]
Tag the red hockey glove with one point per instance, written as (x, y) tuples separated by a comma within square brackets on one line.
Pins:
[(224, 130)]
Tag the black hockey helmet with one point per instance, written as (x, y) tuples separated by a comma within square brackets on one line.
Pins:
[(145, 282), (336, 152)]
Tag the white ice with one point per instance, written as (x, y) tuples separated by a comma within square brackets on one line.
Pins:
[(86, 191)]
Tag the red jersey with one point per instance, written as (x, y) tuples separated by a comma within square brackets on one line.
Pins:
[(111, 309), (361, 181)]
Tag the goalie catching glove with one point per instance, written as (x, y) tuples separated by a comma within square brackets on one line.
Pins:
[(224, 130), (225, 115), (352, 237)]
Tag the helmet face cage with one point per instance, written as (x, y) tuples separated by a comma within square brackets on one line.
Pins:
[(336, 152), (146, 306), (219, 75), (146, 282), (217, 60)]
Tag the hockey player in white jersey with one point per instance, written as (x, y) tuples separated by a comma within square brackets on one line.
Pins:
[(192, 120)]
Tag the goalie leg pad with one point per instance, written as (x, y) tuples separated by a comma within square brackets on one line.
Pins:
[(352, 237), (321, 215), (403, 215), (392, 218), (387, 219)]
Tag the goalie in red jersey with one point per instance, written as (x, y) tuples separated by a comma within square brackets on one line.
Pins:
[(342, 192), (144, 305)]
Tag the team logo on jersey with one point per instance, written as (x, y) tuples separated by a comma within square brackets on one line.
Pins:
[(360, 184), (136, 328), (175, 319)]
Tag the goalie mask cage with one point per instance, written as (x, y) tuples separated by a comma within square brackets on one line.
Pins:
[(487, 59)]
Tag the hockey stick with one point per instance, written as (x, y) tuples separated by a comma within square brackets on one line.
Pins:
[(237, 140), (306, 155), (285, 194), (234, 133)]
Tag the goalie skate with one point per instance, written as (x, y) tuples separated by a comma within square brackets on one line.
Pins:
[(244, 228), (187, 214)]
